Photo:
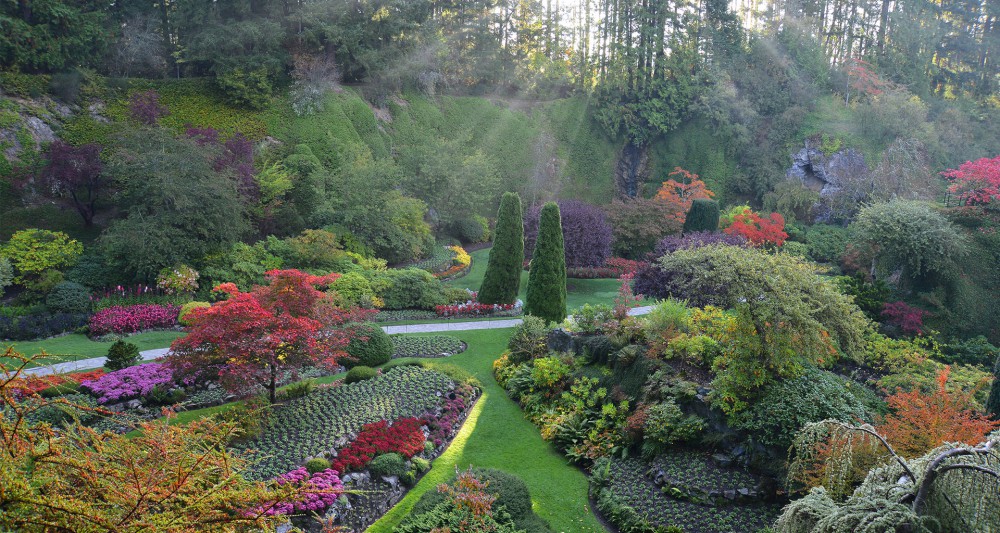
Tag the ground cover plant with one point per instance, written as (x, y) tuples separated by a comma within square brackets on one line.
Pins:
[(426, 346), (631, 499), (312, 425)]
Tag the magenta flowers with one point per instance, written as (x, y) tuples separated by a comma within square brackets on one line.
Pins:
[(133, 318), (320, 491), (128, 383)]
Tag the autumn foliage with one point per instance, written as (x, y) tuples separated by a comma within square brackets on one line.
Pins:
[(253, 337), (167, 478), (679, 195), (920, 421), (758, 230), (975, 182)]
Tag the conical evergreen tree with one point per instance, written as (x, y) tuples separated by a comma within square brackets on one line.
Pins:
[(703, 216), (546, 297), (503, 269), (993, 401)]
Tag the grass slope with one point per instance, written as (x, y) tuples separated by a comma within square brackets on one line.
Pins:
[(496, 435), (77, 346)]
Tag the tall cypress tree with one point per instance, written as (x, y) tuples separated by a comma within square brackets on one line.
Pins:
[(503, 269), (546, 297), (993, 401), (703, 216)]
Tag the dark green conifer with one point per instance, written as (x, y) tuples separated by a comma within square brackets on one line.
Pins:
[(546, 297), (993, 401), (503, 269), (703, 216)]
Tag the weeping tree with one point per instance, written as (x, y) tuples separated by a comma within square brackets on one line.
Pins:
[(503, 269), (547, 278), (955, 487)]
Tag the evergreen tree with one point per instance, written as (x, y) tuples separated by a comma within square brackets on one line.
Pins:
[(703, 216), (122, 355), (993, 402), (547, 280), (503, 269)]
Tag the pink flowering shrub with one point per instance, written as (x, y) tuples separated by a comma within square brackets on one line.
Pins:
[(133, 318), (471, 308), (321, 490), (128, 383)]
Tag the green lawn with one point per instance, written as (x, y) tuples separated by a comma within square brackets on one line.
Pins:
[(496, 435), (580, 291), (76, 346)]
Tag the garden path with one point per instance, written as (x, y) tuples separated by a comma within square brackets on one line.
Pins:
[(437, 327)]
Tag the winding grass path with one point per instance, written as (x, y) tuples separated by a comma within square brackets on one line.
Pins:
[(496, 435)]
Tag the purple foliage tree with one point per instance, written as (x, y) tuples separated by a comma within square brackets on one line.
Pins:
[(586, 233), (235, 155), (76, 172), (145, 107)]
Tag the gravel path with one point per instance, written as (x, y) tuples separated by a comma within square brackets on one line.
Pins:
[(438, 327)]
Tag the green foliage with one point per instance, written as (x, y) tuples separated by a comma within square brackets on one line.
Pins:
[(370, 347), (296, 390), (354, 289), (251, 416), (179, 208), (590, 319), (241, 264), (786, 406), (408, 288), (910, 236), (32, 252), (975, 351), (360, 373), (826, 243), (703, 216), (528, 340), (317, 464), (511, 492), (246, 88), (792, 200), (589, 154), (420, 464), (546, 297), (993, 400), (183, 318), (503, 270), (387, 464), (667, 425), (666, 319), (121, 355), (786, 319), (24, 85), (869, 296), (68, 297)]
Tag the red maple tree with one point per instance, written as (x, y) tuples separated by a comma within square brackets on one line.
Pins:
[(759, 230), (975, 182), (253, 338), (679, 195), (921, 422)]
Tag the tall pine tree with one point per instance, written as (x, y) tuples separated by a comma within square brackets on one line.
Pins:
[(546, 297), (503, 269)]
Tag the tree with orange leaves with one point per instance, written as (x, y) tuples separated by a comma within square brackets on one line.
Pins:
[(921, 422), (679, 195)]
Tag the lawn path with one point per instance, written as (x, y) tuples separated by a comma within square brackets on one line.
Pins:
[(496, 435), (149, 355)]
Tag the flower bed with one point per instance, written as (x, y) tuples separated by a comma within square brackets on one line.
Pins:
[(133, 318), (432, 346), (615, 267), (322, 490), (473, 308), (403, 436), (318, 423), (461, 262), (129, 383)]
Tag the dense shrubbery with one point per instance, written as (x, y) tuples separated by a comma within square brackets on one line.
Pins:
[(370, 347), (133, 318), (585, 230)]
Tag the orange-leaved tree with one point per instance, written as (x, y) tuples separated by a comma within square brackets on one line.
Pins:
[(921, 421), (760, 231), (253, 338), (168, 478), (679, 195)]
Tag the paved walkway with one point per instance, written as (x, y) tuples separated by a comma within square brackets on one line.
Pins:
[(437, 327)]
